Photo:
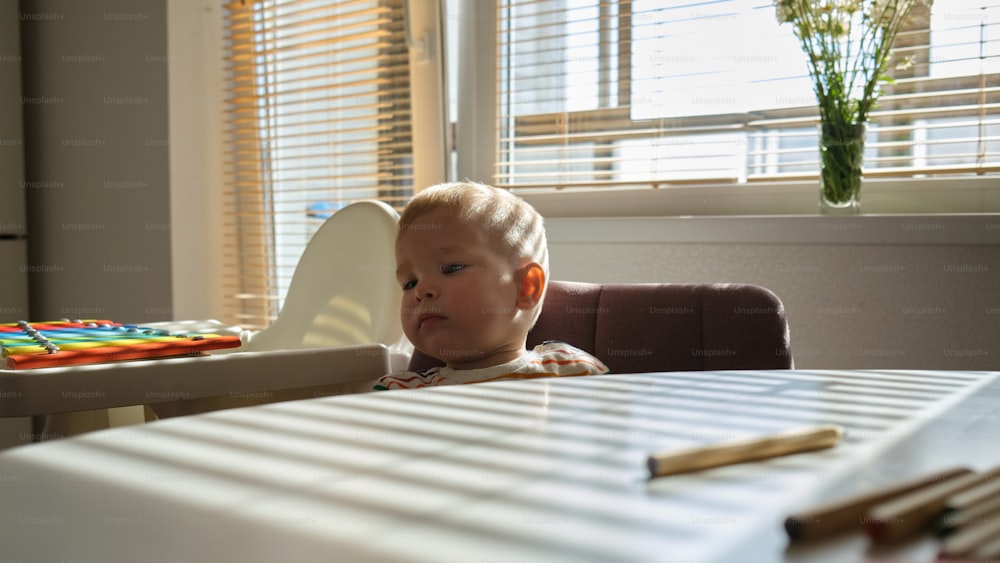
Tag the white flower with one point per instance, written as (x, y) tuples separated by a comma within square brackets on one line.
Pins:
[(783, 11), (906, 63), (850, 6), (882, 11), (848, 44)]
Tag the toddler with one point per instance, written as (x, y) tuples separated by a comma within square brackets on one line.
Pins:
[(472, 261)]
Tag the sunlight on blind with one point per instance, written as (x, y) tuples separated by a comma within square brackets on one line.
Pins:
[(681, 68), (604, 93), (318, 117)]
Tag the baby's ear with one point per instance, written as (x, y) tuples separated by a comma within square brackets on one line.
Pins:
[(532, 285)]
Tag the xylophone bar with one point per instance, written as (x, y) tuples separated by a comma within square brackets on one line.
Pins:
[(57, 325), (27, 346), (136, 351)]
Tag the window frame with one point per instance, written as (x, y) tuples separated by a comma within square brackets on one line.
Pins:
[(788, 194)]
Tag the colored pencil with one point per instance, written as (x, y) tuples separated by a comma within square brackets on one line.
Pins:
[(968, 539), (845, 515), (969, 507), (905, 516), (742, 451), (989, 551)]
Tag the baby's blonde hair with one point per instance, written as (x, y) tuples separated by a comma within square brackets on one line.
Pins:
[(512, 226)]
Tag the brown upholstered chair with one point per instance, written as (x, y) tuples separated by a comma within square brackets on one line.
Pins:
[(649, 327)]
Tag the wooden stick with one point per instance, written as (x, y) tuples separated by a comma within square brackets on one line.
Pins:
[(784, 443)]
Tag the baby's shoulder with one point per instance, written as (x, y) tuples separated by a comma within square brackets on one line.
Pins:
[(566, 355), (558, 347)]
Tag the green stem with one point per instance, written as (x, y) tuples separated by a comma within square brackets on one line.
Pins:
[(842, 147)]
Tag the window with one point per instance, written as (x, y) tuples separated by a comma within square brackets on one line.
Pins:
[(612, 93), (566, 95), (318, 116)]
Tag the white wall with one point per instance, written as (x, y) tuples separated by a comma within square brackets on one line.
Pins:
[(866, 292)]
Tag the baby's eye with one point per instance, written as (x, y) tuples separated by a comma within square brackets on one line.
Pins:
[(452, 268), (409, 284)]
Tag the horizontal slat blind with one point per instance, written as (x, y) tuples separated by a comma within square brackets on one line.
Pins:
[(606, 93), (318, 117)]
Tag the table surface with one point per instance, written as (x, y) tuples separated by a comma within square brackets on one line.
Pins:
[(540, 470)]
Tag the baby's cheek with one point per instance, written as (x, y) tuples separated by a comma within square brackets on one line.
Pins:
[(460, 295)]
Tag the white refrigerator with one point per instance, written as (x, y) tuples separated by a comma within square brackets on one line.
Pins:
[(14, 266), (14, 269), (13, 228)]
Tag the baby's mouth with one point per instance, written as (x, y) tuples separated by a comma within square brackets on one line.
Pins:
[(429, 319)]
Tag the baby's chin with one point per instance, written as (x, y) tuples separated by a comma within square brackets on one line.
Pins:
[(463, 358), (447, 351)]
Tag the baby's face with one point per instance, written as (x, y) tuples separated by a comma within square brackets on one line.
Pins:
[(459, 295)]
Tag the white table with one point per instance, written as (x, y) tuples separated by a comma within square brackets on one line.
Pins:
[(540, 470)]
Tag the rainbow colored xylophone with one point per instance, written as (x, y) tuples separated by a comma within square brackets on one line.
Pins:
[(28, 345)]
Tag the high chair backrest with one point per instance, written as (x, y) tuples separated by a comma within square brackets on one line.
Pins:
[(344, 288), (653, 327)]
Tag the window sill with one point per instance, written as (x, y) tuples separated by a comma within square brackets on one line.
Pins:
[(966, 212), (932, 196), (971, 229)]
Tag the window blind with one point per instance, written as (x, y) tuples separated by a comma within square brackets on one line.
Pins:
[(611, 93), (318, 116)]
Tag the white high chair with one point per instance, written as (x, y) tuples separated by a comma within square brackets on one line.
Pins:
[(343, 294), (344, 289), (340, 315)]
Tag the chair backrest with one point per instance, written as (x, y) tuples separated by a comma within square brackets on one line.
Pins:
[(648, 327), (344, 289)]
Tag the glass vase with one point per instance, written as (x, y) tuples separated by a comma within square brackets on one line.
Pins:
[(841, 155)]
